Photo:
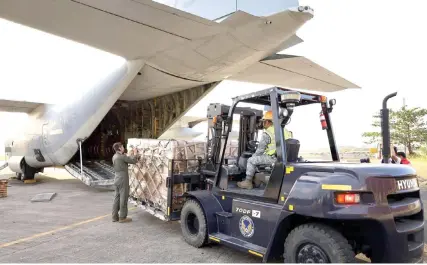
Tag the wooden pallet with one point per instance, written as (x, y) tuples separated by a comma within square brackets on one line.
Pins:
[(3, 188), (147, 179)]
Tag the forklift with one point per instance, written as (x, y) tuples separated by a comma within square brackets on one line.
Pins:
[(307, 211)]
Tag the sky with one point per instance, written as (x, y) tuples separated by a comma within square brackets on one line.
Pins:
[(378, 45), (215, 9)]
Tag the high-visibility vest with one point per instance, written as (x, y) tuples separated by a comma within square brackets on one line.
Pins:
[(271, 147)]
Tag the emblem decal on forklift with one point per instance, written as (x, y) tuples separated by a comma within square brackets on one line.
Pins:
[(246, 226)]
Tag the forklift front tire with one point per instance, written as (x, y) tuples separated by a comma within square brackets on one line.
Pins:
[(193, 224), (317, 243)]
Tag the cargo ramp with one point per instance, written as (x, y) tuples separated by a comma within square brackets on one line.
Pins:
[(3, 166), (96, 173)]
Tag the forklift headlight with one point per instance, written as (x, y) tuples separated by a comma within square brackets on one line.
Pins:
[(283, 112), (291, 97)]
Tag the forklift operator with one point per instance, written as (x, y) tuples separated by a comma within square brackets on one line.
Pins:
[(265, 153)]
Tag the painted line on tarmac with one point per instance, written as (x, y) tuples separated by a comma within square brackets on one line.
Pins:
[(56, 230)]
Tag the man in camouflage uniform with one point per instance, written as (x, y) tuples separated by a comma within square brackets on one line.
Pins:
[(265, 153), (121, 182)]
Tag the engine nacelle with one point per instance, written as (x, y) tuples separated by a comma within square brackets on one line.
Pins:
[(16, 164)]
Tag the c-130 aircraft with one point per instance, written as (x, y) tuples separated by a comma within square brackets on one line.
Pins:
[(172, 59)]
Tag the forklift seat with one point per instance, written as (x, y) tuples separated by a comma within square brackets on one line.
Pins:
[(243, 160), (264, 168)]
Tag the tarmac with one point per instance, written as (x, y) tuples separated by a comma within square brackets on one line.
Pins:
[(75, 226)]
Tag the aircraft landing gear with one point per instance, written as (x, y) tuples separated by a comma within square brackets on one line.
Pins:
[(23, 177), (28, 172), (28, 176)]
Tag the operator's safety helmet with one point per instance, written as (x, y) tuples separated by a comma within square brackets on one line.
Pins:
[(268, 116)]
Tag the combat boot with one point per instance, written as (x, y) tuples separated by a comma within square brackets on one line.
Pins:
[(125, 220), (246, 184), (257, 183), (115, 218)]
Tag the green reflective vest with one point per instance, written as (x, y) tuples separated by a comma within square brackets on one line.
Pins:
[(271, 147)]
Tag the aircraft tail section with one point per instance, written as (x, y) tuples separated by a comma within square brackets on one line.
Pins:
[(265, 33), (292, 41), (240, 19)]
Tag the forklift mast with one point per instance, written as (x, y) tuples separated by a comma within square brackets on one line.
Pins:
[(248, 130), (219, 125)]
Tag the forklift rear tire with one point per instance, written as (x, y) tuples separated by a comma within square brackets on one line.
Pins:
[(193, 224), (317, 243)]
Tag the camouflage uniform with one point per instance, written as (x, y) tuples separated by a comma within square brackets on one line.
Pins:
[(265, 154), (121, 184), (259, 158)]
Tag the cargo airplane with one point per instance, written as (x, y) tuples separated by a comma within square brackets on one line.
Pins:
[(172, 59)]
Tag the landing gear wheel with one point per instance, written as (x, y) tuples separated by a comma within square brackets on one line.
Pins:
[(317, 243), (19, 176), (193, 224), (28, 176)]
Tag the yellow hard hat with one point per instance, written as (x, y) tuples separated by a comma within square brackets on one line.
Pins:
[(268, 115)]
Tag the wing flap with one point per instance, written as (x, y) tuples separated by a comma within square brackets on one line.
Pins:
[(294, 72), (18, 106), (292, 41)]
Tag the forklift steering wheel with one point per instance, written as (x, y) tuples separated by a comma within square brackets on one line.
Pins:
[(252, 145)]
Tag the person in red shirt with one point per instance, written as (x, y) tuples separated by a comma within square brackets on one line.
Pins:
[(403, 159)]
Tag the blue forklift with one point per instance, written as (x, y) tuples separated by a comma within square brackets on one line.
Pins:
[(307, 211)]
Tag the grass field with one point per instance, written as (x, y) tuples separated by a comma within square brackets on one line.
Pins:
[(420, 165)]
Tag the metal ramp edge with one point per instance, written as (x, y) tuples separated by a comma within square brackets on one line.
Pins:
[(89, 177), (5, 165), (151, 210)]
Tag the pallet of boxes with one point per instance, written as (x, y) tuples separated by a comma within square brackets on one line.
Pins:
[(158, 161)]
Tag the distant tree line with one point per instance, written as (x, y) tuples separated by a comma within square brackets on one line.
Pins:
[(408, 127)]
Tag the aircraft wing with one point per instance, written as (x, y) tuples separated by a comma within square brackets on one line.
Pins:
[(18, 106), (293, 72)]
